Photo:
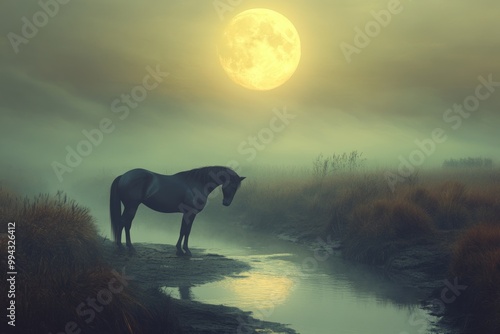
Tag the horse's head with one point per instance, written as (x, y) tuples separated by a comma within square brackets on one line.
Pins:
[(229, 180), (229, 188)]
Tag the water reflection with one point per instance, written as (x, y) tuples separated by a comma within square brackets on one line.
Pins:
[(260, 291), (185, 293), (337, 295), (266, 286)]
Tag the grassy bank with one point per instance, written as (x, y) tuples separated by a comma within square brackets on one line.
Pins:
[(457, 209), (62, 285), (476, 261)]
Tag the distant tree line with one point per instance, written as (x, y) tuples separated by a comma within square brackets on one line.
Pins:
[(324, 165), (468, 163)]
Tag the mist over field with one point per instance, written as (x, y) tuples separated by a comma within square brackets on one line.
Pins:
[(72, 86)]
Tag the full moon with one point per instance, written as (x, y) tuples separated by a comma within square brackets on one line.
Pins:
[(260, 49)]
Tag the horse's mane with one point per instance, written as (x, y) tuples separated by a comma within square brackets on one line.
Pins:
[(203, 174)]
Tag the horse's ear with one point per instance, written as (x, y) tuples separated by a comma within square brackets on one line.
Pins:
[(242, 178)]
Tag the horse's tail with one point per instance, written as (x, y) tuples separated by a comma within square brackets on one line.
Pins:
[(115, 209)]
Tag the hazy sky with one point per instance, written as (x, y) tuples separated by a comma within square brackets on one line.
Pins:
[(396, 87)]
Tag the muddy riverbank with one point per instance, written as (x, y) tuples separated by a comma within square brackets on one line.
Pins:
[(154, 266)]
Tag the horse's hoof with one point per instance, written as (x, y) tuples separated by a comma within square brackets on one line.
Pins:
[(179, 253), (188, 253), (131, 249)]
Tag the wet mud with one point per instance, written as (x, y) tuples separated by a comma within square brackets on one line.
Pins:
[(153, 266)]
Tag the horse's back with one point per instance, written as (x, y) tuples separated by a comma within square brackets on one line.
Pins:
[(159, 192), (133, 184), (134, 176)]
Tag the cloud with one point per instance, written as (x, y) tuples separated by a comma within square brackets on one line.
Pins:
[(33, 99)]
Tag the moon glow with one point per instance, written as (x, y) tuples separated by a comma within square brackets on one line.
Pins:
[(260, 49)]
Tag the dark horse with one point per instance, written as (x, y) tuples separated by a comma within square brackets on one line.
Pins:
[(184, 192)]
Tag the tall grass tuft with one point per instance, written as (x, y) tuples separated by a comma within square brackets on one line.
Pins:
[(323, 166), (425, 199), (377, 229), (452, 214), (59, 266)]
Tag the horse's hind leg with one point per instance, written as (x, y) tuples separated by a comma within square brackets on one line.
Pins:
[(119, 237), (127, 217)]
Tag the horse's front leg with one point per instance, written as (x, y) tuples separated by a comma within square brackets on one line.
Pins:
[(187, 222), (186, 237)]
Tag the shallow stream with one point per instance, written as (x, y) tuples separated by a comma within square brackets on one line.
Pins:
[(315, 292)]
